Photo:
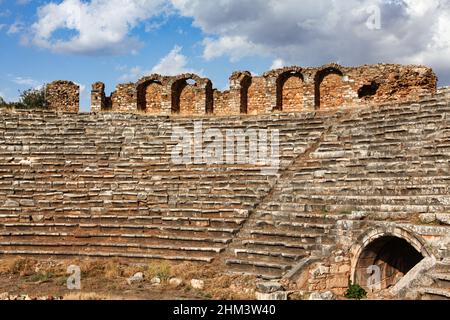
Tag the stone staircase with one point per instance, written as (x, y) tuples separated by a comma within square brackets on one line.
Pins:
[(440, 290), (387, 163), (104, 185)]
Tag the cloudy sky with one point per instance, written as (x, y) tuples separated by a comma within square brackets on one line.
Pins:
[(118, 41)]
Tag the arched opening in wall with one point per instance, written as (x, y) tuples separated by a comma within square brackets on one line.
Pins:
[(384, 261), (368, 90), (209, 98), (329, 89), (290, 92), (184, 96), (245, 85), (149, 95)]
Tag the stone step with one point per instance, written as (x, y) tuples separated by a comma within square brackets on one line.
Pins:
[(54, 253), (159, 219), (287, 213), (393, 190), (442, 280), (266, 256), (111, 236), (261, 269), (118, 247), (345, 207), (391, 200), (434, 293), (101, 227), (289, 247), (283, 235), (290, 226)]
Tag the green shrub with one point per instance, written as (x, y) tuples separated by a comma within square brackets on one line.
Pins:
[(29, 99), (355, 291), (160, 270), (41, 277), (33, 99)]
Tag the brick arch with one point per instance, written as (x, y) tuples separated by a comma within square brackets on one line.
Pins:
[(329, 93), (186, 96), (149, 94), (245, 80), (394, 250), (290, 91)]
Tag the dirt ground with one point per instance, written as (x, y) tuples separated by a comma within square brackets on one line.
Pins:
[(25, 278)]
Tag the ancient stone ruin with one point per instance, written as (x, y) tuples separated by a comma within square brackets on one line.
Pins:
[(291, 89), (362, 189), (63, 96)]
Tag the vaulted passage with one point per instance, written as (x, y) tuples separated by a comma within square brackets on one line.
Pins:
[(187, 99), (149, 97), (290, 92), (329, 89), (184, 97), (394, 256), (245, 85)]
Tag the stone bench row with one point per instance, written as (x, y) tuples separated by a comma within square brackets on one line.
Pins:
[(140, 237), (54, 253)]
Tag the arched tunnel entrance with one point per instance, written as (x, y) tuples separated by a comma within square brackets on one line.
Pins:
[(384, 261)]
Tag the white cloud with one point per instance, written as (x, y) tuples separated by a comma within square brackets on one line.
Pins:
[(421, 7), (131, 74), (236, 47), (15, 28), (278, 63), (5, 13), (313, 32), (26, 81), (82, 87), (92, 27), (174, 63)]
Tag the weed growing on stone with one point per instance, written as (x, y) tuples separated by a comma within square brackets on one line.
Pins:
[(355, 291)]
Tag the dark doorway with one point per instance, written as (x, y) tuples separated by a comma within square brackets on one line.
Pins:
[(394, 257)]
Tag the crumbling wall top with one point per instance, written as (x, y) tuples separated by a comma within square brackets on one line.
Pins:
[(290, 89)]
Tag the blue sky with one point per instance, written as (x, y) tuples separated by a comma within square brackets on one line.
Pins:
[(117, 41)]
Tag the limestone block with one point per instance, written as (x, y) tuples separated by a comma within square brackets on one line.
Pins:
[(322, 296), (269, 287), (279, 295)]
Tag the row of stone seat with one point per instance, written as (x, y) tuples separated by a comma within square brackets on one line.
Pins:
[(105, 185), (440, 289), (382, 163)]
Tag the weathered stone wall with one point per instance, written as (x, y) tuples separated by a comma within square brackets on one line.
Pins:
[(105, 185), (373, 192), (124, 99), (63, 96), (222, 104), (99, 101), (257, 96), (290, 89)]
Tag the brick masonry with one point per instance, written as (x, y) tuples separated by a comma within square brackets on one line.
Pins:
[(104, 185), (290, 89), (63, 96)]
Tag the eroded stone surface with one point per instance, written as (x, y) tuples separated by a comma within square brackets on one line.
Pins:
[(290, 89)]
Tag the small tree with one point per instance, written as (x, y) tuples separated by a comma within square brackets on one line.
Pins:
[(355, 291), (33, 99), (3, 103)]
